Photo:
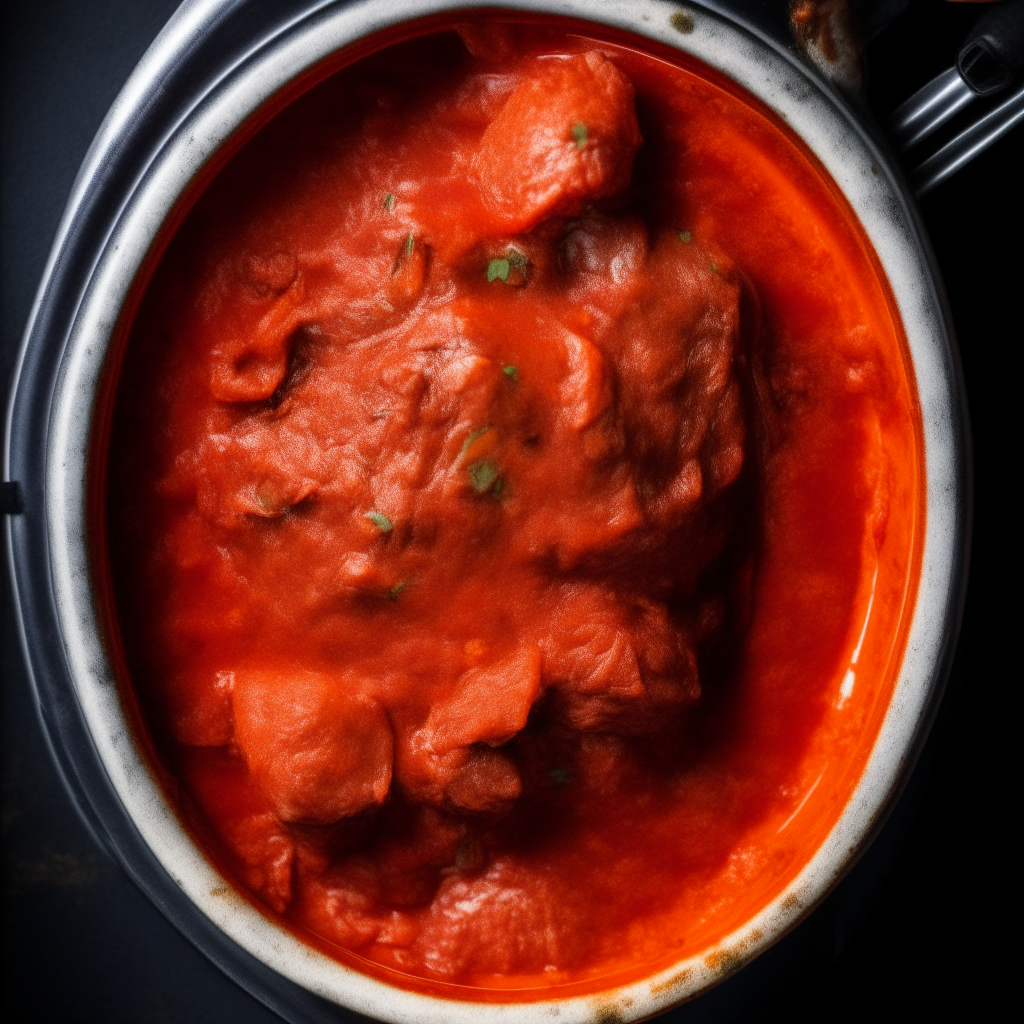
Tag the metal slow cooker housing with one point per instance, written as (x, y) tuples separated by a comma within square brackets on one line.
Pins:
[(214, 65)]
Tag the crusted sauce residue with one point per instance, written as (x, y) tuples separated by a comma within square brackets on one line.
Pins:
[(677, 980), (682, 21), (790, 903)]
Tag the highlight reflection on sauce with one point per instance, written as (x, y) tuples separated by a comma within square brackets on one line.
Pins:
[(512, 447)]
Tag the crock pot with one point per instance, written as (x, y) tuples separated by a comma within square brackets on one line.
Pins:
[(216, 63)]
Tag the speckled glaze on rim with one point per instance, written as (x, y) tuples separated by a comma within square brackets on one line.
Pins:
[(877, 195)]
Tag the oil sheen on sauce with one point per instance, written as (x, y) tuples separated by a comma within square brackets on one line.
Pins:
[(513, 510)]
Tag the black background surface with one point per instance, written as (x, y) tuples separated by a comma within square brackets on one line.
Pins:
[(915, 929)]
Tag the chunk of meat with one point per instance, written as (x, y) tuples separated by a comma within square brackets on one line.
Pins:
[(320, 749), (519, 922), (604, 260), (256, 322), (617, 665), (487, 706), (344, 905), (488, 781), (364, 898), (674, 348), (270, 473), (566, 136)]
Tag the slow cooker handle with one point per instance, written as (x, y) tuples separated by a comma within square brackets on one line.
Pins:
[(992, 57), (990, 61)]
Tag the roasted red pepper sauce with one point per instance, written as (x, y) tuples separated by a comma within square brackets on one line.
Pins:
[(508, 450)]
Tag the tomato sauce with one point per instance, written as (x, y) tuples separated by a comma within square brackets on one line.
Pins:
[(513, 510)]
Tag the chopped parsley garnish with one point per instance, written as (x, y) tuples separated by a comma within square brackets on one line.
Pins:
[(513, 263), (684, 236), (714, 268), (410, 244), (483, 475), (512, 373), (380, 520), (497, 270), (499, 486), (396, 590), (579, 133), (475, 435), (389, 202), (560, 776)]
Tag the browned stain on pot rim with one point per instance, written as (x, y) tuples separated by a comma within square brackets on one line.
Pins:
[(791, 902), (676, 981), (682, 21)]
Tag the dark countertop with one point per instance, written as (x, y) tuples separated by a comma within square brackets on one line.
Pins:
[(909, 933)]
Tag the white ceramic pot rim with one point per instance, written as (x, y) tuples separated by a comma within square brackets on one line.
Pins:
[(862, 173)]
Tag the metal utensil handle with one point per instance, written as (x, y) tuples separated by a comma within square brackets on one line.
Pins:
[(990, 61), (992, 57), (968, 144)]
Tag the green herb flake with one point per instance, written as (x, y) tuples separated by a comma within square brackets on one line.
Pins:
[(497, 270), (512, 373), (684, 236), (389, 202), (396, 590), (560, 776), (482, 475), (475, 435), (499, 486), (379, 520), (714, 268), (410, 244), (579, 133)]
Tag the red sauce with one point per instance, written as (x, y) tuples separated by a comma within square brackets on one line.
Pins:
[(510, 446)]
